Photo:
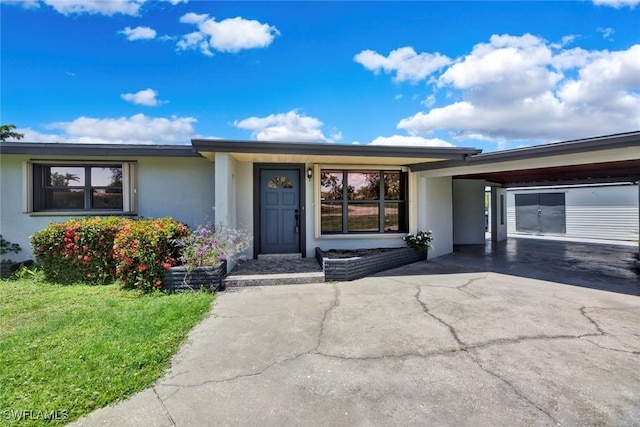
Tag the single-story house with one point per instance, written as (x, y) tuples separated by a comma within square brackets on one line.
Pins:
[(294, 197)]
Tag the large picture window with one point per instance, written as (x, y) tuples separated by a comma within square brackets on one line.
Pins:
[(363, 201), (75, 187)]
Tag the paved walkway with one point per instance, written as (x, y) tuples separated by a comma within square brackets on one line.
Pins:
[(432, 343)]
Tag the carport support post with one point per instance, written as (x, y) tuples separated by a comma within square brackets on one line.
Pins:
[(498, 214)]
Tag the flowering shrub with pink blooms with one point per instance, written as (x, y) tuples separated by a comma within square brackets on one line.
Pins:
[(100, 250), (145, 249), (78, 250)]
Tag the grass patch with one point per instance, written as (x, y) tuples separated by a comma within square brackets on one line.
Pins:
[(73, 349)]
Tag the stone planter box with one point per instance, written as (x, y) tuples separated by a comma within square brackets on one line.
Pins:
[(6, 268), (356, 267), (180, 279)]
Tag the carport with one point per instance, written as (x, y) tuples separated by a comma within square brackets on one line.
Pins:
[(605, 159)]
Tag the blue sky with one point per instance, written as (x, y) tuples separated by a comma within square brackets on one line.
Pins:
[(491, 75)]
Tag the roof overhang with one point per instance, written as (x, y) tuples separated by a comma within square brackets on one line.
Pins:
[(328, 153), (107, 150), (612, 158)]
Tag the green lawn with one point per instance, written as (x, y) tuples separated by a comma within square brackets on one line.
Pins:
[(67, 350)]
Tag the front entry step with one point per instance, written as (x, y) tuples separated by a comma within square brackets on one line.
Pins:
[(279, 257), (275, 270)]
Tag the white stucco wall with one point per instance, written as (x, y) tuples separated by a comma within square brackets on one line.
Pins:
[(234, 197), (468, 211), (180, 187), (498, 215), (435, 212)]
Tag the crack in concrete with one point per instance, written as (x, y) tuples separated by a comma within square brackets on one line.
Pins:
[(583, 311), (164, 408), (336, 302), (453, 332), (514, 388), (470, 282), (463, 346), (522, 338), (635, 353)]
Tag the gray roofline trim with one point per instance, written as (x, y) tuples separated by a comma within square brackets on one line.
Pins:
[(608, 142), (330, 149), (67, 149)]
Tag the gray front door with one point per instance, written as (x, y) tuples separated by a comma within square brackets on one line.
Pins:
[(540, 213), (279, 211)]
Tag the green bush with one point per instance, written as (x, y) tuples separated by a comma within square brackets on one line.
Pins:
[(78, 250), (100, 250), (145, 249)]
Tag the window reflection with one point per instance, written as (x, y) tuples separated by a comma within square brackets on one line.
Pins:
[(280, 182), (394, 185), (78, 187), (395, 217), (65, 176), (331, 217), (365, 201), (331, 185), (364, 185), (363, 217), (106, 177)]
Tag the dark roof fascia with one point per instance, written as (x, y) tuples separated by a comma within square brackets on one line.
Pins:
[(66, 149), (330, 149), (609, 142)]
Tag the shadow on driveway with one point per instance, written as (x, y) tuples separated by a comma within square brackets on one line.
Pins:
[(597, 266)]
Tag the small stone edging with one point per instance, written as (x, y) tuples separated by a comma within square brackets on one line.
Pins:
[(180, 279), (345, 269)]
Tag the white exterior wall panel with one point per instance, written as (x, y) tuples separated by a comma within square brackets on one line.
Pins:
[(607, 212)]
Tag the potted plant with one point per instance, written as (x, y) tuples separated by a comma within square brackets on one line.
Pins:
[(6, 264), (421, 241), (204, 255)]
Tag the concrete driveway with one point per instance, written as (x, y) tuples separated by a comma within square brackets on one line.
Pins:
[(430, 343)]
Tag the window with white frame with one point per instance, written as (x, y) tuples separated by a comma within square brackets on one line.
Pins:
[(80, 187), (363, 201)]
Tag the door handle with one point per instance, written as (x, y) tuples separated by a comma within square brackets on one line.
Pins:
[(297, 217)]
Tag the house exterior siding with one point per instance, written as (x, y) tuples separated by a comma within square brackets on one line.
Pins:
[(607, 212)]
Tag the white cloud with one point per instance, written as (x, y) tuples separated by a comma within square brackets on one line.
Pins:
[(410, 141), (522, 88), (96, 7), (606, 32), (507, 68), (405, 62), (31, 135), (618, 4), (92, 7), (144, 97), (139, 33), (289, 126), (228, 35), (26, 4), (137, 129), (429, 101), (566, 40)]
